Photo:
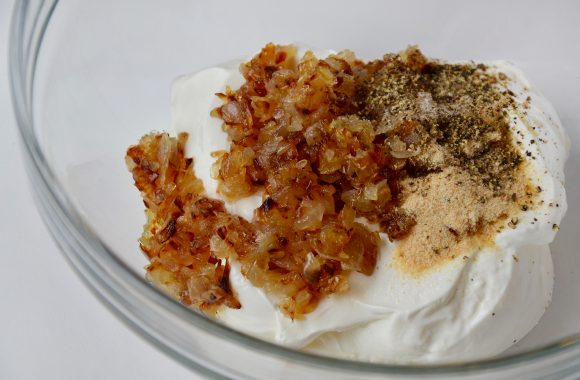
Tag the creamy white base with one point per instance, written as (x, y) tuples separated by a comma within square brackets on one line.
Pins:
[(469, 309)]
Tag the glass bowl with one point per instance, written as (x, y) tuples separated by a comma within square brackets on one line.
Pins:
[(89, 78)]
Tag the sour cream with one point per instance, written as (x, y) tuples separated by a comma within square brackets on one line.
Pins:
[(471, 308)]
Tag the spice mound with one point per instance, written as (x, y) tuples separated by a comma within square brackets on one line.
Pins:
[(342, 151)]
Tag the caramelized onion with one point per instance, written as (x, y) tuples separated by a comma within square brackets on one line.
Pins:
[(296, 136)]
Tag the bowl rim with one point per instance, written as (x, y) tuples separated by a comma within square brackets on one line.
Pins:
[(22, 67)]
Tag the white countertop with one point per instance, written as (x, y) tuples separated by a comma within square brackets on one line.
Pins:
[(51, 326)]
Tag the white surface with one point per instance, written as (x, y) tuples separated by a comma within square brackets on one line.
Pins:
[(51, 326)]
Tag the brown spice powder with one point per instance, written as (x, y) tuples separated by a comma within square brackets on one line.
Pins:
[(455, 214)]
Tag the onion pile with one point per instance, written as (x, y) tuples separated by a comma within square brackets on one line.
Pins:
[(296, 135)]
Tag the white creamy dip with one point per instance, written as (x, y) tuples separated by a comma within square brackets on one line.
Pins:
[(471, 308)]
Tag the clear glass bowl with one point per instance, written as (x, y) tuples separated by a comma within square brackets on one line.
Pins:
[(89, 78)]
